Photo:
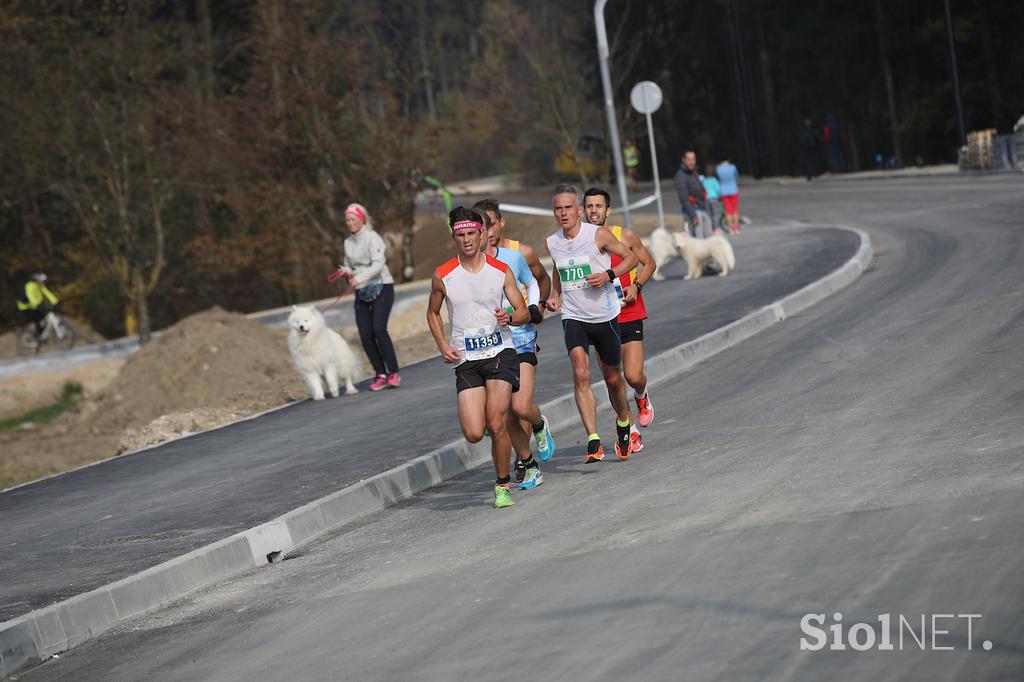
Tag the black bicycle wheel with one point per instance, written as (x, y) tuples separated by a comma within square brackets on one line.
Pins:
[(26, 340), (67, 341)]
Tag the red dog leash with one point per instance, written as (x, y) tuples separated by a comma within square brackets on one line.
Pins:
[(331, 279)]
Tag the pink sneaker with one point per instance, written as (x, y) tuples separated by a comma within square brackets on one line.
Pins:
[(394, 381), (380, 382), (644, 411)]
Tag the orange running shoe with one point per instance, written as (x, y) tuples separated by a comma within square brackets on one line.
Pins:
[(623, 442), (595, 452), (637, 441)]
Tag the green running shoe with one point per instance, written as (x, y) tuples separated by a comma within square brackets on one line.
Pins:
[(502, 497)]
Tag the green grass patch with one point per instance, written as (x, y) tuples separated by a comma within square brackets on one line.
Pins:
[(71, 395)]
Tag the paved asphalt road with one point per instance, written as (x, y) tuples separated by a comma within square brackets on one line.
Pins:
[(864, 457), (72, 533)]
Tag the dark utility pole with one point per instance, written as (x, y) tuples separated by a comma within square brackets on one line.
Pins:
[(755, 166), (956, 76)]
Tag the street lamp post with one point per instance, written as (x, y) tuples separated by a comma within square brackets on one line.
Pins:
[(745, 95), (956, 76), (609, 106)]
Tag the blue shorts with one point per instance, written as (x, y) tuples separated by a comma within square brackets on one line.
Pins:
[(524, 338)]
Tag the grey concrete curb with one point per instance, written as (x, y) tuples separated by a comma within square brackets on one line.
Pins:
[(36, 636)]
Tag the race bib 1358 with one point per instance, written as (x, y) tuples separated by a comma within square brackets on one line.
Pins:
[(482, 342)]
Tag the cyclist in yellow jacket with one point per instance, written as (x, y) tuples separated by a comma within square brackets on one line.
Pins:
[(37, 301)]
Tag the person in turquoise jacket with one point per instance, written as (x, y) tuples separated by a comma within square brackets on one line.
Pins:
[(714, 192)]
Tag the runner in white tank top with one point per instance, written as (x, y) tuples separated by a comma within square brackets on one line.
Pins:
[(471, 298), (480, 345), (584, 289), (575, 259)]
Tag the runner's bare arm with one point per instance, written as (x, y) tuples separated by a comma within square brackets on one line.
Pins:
[(607, 242), (540, 273), (554, 299), (647, 265), (436, 324), (514, 294)]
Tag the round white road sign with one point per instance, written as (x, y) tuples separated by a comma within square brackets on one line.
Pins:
[(646, 97)]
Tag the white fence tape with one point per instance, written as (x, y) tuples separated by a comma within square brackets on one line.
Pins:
[(530, 210)]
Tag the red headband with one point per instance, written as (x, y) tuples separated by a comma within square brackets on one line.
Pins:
[(467, 225), (357, 212)]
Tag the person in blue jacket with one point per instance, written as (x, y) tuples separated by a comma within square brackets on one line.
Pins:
[(728, 177)]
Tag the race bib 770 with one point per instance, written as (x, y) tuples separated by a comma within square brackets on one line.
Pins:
[(573, 273)]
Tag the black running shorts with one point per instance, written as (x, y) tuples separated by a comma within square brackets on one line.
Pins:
[(530, 358), (603, 336), (475, 373), (631, 331)]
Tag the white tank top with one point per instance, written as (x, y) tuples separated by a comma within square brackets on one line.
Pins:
[(574, 260), (472, 298)]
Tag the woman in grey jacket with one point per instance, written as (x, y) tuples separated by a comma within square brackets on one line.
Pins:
[(367, 270)]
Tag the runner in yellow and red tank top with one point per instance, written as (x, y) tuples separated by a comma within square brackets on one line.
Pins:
[(597, 205)]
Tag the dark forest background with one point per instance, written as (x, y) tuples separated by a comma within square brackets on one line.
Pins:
[(162, 156)]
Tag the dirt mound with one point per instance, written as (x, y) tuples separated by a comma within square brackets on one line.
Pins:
[(176, 425), (209, 369), (209, 360)]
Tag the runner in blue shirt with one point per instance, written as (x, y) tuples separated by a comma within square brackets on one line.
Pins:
[(524, 337)]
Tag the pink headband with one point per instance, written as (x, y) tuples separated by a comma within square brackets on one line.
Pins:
[(467, 225), (357, 212)]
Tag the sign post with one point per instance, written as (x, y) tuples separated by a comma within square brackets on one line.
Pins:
[(646, 98)]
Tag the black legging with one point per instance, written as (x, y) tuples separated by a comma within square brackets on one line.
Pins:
[(35, 315), (372, 320)]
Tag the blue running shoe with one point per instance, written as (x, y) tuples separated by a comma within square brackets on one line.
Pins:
[(532, 479), (545, 443)]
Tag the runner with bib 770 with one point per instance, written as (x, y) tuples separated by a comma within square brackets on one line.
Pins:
[(585, 289)]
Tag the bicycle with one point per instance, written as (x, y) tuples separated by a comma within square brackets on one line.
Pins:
[(57, 331)]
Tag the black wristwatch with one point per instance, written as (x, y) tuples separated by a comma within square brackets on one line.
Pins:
[(611, 274), (639, 287)]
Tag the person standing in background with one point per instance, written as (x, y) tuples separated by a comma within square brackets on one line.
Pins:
[(714, 197), (810, 146), (728, 177), (367, 271), (834, 139), (631, 157), (692, 202)]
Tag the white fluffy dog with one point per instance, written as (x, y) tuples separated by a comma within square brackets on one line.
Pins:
[(697, 252), (661, 247), (319, 352)]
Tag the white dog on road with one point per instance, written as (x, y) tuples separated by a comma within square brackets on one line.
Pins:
[(319, 352), (661, 247), (697, 252)]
